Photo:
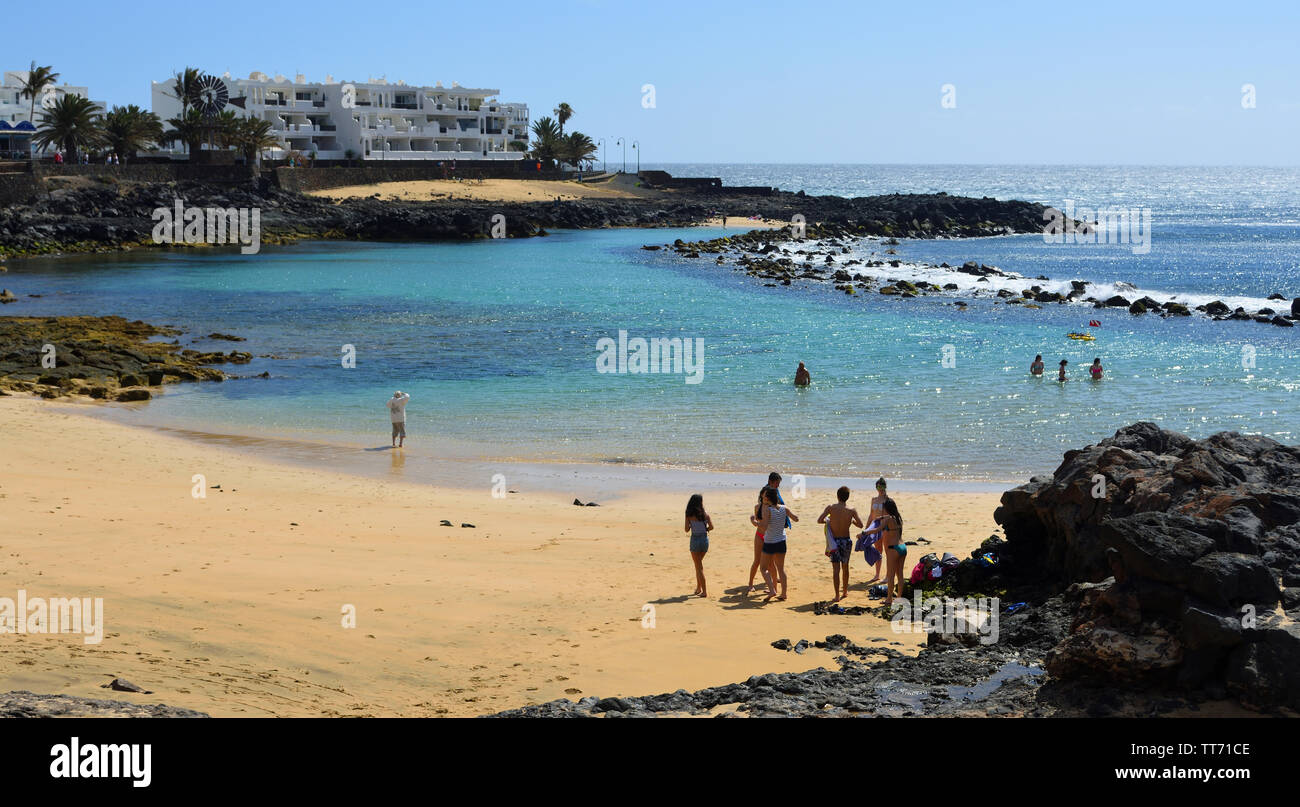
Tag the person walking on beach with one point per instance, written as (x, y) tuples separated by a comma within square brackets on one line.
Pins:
[(877, 510), (1095, 369), (1037, 367), (891, 533), (698, 524), (776, 517), (397, 410), (839, 519), (773, 482), (802, 377), (1060, 376)]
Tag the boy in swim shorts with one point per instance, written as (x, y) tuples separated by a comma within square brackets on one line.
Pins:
[(840, 519)]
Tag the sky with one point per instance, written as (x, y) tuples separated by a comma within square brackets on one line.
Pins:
[(1117, 83)]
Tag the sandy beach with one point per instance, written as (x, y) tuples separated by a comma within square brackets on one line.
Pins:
[(231, 604), (488, 190)]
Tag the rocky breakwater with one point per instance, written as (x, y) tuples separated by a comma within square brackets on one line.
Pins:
[(124, 215), (1179, 558), (106, 358)]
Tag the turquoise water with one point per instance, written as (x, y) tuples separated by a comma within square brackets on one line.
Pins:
[(497, 343)]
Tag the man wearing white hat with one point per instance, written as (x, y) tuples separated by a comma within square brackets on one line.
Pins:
[(397, 409)]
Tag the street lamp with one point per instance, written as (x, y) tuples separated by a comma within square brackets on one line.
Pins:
[(636, 146), (602, 156), (623, 143)]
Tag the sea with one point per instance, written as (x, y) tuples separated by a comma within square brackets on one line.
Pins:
[(504, 345)]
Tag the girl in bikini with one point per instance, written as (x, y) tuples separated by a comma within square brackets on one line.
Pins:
[(698, 524), (877, 510), (891, 533)]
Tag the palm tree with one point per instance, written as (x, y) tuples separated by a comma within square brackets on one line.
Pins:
[(546, 140), (72, 123), (252, 136), (225, 129), (38, 78), (130, 129), (184, 84), (562, 113), (577, 148), (189, 129)]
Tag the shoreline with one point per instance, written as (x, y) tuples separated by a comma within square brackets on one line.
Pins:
[(589, 478)]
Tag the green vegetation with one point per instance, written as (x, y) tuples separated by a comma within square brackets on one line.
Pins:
[(38, 78), (130, 129), (551, 145), (73, 124)]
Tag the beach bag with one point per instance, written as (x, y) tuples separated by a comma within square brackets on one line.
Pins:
[(986, 561), (918, 574), (949, 563), (927, 568)]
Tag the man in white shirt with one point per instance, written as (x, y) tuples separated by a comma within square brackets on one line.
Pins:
[(397, 408)]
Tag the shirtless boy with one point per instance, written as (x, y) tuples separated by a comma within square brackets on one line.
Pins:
[(841, 519)]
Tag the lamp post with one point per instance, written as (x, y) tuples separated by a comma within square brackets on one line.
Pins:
[(623, 143), (603, 169), (636, 146)]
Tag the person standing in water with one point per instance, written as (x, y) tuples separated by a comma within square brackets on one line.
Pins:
[(397, 411), (775, 519), (1037, 367), (839, 518), (802, 377), (1060, 376), (1095, 369), (698, 524)]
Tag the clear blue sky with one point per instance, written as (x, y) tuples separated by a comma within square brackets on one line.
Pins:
[(796, 81)]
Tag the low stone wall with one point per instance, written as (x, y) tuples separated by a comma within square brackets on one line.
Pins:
[(18, 188), (320, 178), (149, 172), (23, 183)]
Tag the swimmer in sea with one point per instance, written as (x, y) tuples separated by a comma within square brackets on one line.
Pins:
[(802, 377)]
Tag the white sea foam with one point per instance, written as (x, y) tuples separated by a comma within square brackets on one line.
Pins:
[(968, 285)]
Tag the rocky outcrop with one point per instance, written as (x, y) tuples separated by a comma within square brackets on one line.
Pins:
[(122, 216), (1176, 555), (26, 704), (107, 358)]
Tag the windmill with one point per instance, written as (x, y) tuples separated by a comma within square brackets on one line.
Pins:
[(209, 96)]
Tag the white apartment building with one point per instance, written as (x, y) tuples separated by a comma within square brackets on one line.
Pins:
[(16, 124), (375, 119)]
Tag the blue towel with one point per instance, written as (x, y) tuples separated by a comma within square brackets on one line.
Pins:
[(868, 549)]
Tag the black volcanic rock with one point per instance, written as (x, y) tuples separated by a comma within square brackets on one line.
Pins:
[(1173, 570), (116, 217)]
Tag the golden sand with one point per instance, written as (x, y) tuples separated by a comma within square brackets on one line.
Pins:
[(231, 604)]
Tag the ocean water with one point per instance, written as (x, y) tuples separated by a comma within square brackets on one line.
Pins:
[(498, 341)]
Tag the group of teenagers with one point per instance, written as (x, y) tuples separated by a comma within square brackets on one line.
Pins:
[(882, 538)]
